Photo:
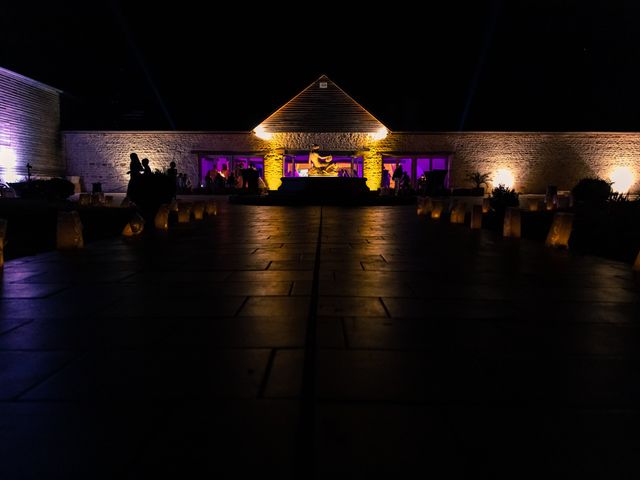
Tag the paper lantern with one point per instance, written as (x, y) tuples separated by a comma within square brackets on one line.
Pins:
[(198, 210), (560, 230), (3, 239), (551, 203), (161, 221), (438, 206), (184, 212), (551, 197), (84, 200), (135, 226), (636, 265), (458, 213), (564, 202), (69, 231), (211, 208), (425, 206), (476, 217), (512, 223), (486, 205), (97, 198)]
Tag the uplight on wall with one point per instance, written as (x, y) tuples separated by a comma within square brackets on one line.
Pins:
[(8, 162), (622, 178), (505, 177), (262, 133), (379, 134)]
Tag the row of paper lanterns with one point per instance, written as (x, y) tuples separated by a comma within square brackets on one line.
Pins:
[(558, 236), (69, 227), (185, 211)]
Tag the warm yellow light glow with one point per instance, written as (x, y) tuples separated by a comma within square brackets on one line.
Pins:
[(69, 231), (476, 217), (198, 210), (161, 220), (512, 225), (379, 134), (438, 206), (622, 178), (211, 208), (504, 176), (262, 133), (560, 231)]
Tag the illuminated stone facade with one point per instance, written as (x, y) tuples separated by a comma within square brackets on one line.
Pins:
[(29, 128), (535, 159), (30, 121)]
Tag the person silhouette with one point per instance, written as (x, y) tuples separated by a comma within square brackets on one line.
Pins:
[(135, 170), (397, 176), (172, 173), (145, 166)]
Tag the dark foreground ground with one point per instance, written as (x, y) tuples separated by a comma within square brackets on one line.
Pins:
[(319, 343)]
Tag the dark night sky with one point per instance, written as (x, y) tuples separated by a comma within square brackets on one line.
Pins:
[(496, 65)]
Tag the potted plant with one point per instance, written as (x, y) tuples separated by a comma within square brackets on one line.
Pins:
[(478, 179)]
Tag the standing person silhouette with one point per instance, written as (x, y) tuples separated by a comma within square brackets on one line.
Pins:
[(135, 170), (145, 167), (397, 177), (172, 173)]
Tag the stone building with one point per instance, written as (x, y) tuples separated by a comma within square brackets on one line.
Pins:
[(29, 128), (321, 114), (325, 115)]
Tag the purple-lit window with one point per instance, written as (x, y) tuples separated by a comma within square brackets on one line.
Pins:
[(225, 164), (298, 165), (389, 164), (423, 165), (438, 163), (209, 163)]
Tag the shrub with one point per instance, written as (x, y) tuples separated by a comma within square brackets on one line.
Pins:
[(52, 189), (503, 197), (478, 179), (592, 191)]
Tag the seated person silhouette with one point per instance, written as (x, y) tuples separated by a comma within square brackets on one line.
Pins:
[(320, 165)]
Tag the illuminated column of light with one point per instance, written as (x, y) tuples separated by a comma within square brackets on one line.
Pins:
[(372, 168), (273, 165)]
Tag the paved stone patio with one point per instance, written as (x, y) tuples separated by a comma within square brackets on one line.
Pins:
[(307, 342)]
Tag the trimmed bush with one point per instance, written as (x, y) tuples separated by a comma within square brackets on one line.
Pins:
[(503, 197), (52, 189), (592, 191)]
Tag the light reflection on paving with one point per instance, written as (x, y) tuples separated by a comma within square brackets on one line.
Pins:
[(439, 349)]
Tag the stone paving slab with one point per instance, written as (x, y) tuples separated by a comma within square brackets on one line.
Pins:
[(406, 346)]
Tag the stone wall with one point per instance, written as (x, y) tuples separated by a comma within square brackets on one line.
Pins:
[(29, 128), (535, 159), (328, 141), (104, 156)]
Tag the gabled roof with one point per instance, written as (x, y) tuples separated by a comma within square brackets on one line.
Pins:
[(321, 107)]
